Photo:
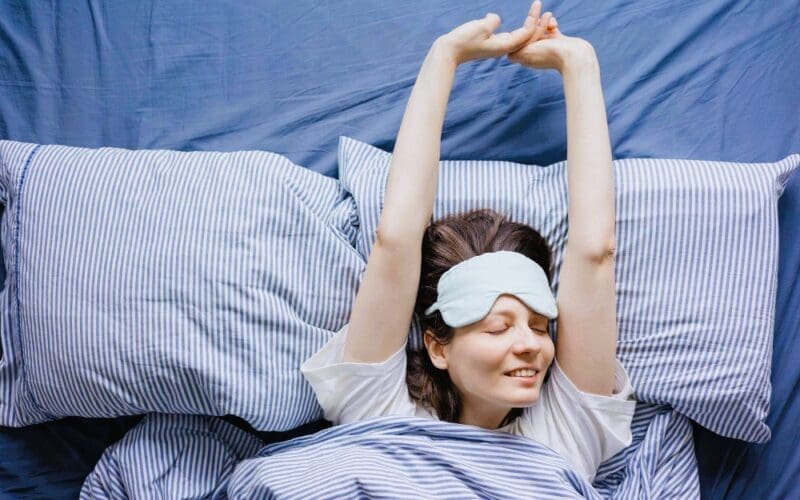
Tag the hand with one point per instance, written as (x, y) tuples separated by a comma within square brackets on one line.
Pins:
[(548, 48), (477, 40)]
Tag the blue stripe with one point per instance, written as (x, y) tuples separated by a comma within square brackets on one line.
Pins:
[(696, 265), (18, 333), (172, 282), (391, 457), (198, 282)]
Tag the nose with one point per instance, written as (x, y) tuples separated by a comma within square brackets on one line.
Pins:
[(527, 340)]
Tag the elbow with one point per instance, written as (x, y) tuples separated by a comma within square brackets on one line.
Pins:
[(384, 238), (608, 252), (596, 247), (396, 239), (603, 253)]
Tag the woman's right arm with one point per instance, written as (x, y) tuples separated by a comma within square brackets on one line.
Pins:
[(384, 304)]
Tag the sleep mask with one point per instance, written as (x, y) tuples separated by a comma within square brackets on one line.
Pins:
[(467, 291)]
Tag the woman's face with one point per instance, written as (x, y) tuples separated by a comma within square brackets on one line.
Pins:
[(482, 355)]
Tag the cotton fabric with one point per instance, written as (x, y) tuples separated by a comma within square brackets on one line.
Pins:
[(681, 227), (586, 429)]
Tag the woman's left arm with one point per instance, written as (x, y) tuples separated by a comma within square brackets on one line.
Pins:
[(587, 326)]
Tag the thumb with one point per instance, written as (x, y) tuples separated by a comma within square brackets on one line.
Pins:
[(492, 21)]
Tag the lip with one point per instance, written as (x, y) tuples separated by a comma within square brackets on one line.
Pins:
[(526, 380), (522, 368)]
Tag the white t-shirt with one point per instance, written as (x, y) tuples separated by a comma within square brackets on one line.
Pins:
[(584, 428)]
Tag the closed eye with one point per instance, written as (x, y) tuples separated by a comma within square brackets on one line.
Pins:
[(499, 331), (504, 329)]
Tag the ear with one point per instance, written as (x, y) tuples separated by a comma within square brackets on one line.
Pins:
[(435, 351)]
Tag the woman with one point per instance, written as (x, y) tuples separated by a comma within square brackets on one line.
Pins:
[(480, 284)]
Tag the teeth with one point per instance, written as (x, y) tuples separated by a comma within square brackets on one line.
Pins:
[(522, 373)]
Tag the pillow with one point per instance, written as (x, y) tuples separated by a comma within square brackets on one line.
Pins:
[(166, 281), (696, 266)]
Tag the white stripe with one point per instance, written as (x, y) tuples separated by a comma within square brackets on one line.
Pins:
[(390, 457), (696, 266), (173, 282)]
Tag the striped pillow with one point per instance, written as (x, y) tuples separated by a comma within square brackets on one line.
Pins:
[(175, 282), (696, 266)]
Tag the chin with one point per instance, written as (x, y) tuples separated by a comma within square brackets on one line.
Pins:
[(525, 401)]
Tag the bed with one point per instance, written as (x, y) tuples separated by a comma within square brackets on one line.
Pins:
[(713, 83)]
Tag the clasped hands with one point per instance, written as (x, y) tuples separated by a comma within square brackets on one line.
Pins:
[(538, 43)]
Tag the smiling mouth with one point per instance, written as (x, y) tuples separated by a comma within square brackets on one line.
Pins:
[(524, 378)]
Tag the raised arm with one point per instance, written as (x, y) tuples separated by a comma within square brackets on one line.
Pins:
[(384, 304), (587, 326)]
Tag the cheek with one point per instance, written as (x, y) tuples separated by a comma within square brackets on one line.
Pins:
[(549, 350), (481, 354)]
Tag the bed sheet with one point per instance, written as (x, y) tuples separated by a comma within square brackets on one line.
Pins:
[(51, 460), (701, 80)]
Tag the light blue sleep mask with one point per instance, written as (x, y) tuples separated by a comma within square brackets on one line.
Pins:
[(467, 291)]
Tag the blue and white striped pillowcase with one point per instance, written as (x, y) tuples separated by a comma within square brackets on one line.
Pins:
[(180, 282), (696, 266)]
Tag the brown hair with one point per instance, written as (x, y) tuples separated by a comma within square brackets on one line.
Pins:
[(447, 242)]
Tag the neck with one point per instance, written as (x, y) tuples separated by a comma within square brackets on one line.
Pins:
[(487, 419)]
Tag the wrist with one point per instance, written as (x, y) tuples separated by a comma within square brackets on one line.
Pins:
[(582, 60), (444, 50)]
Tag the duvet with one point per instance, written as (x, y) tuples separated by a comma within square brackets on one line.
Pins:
[(185, 456)]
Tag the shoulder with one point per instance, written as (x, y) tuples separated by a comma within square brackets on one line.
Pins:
[(353, 391), (585, 428), (620, 401)]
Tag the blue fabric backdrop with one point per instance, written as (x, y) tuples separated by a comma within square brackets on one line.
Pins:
[(702, 80)]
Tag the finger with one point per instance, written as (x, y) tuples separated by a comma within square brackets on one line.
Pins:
[(501, 43), (552, 27), (533, 15), (492, 21), (506, 43), (541, 26), (514, 40), (535, 10)]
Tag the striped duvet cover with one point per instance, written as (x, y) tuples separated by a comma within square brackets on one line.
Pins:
[(173, 456)]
